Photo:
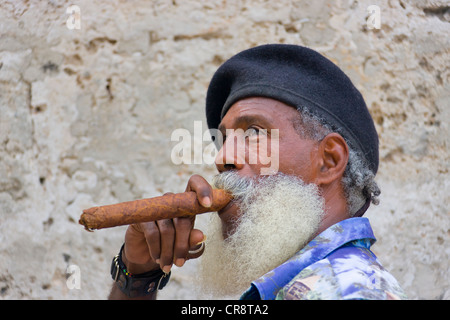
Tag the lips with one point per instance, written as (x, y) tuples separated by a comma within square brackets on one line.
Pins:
[(228, 216), (230, 208)]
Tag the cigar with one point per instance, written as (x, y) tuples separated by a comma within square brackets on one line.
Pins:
[(168, 206)]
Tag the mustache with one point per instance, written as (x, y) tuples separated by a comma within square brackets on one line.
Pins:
[(232, 182)]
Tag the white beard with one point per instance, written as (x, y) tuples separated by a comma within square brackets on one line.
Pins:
[(279, 215)]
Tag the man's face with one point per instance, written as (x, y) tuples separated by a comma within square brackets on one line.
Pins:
[(271, 217), (252, 115)]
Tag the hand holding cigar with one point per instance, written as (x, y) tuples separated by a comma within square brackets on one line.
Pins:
[(168, 206)]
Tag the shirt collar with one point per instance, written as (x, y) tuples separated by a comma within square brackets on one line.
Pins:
[(326, 242)]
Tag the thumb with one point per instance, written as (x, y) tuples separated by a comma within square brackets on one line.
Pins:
[(196, 244)]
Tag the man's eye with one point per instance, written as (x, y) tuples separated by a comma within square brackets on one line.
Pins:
[(252, 131)]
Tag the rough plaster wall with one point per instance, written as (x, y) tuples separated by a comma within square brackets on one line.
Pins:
[(86, 118)]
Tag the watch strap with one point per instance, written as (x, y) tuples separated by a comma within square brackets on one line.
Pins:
[(137, 285)]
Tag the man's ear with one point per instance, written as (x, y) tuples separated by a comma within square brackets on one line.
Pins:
[(332, 158)]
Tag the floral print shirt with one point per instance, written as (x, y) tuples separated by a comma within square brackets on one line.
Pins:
[(337, 264)]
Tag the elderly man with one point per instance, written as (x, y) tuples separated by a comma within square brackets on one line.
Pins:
[(297, 231)]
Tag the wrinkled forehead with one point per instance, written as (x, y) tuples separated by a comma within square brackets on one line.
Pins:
[(269, 112)]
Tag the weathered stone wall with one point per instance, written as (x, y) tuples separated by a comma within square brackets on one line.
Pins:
[(86, 117)]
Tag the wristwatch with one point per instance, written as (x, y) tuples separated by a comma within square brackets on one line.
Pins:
[(137, 285)]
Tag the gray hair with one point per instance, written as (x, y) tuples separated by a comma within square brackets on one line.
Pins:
[(358, 180)]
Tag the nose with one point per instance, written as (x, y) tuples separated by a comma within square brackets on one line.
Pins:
[(232, 154)]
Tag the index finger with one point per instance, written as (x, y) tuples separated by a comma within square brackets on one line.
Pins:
[(202, 188)]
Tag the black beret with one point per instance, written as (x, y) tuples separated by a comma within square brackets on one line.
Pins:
[(299, 77)]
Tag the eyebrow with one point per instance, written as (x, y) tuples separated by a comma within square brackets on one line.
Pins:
[(245, 119)]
